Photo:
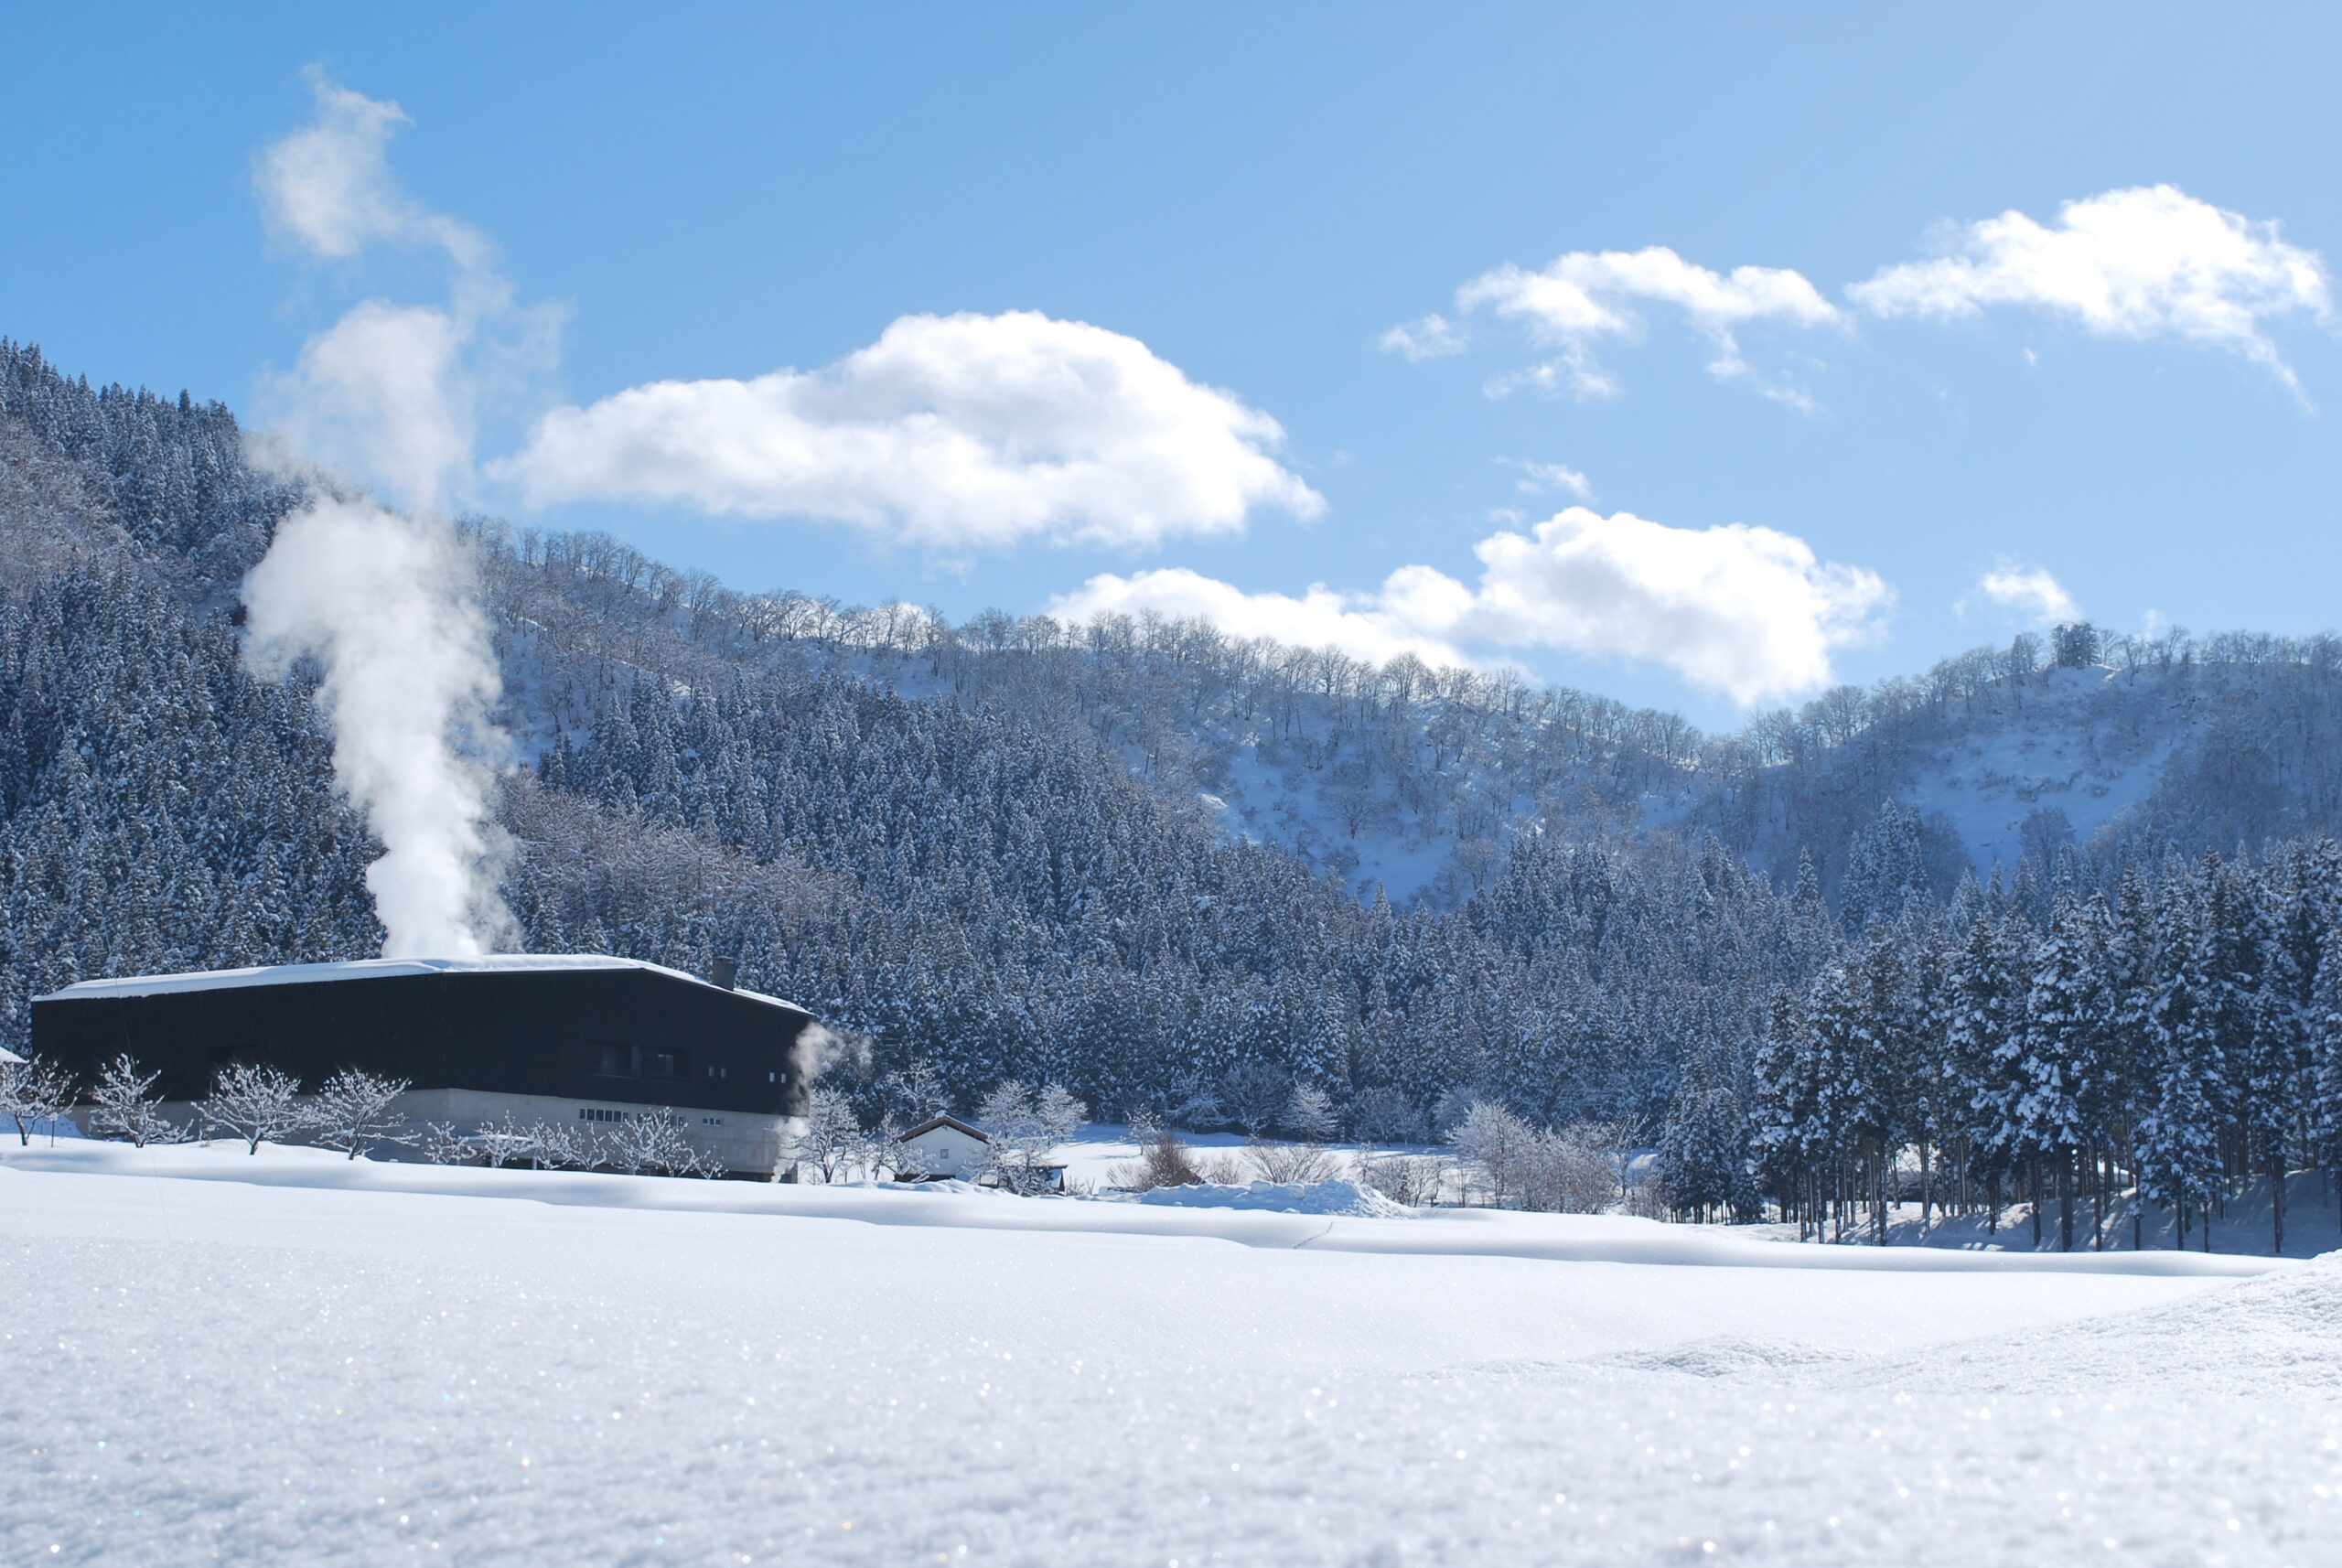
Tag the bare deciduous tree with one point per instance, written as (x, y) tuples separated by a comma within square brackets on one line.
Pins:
[(917, 1092), (904, 1162), (35, 1090), (441, 1145), (1163, 1161), (1491, 1140), (830, 1139), (1411, 1179), (1292, 1163), (122, 1107), (1309, 1114), (566, 1147), (255, 1101), (354, 1111), (1571, 1171), (653, 1142), (505, 1141), (1022, 1127), (1566, 1171)]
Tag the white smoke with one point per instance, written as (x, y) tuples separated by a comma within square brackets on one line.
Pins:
[(387, 602), (817, 1049), (388, 606)]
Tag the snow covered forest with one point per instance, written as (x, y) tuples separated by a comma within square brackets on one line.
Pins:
[(1178, 874)]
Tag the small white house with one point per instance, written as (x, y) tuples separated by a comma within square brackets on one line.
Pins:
[(946, 1146)]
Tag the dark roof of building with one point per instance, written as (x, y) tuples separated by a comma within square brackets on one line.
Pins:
[(932, 1123), (378, 969)]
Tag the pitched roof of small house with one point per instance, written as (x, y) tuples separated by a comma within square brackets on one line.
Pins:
[(953, 1122)]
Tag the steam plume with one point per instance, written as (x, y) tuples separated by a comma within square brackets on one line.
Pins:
[(386, 605), (817, 1049), (387, 602)]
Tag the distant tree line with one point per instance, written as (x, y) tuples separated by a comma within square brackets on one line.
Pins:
[(2118, 1051)]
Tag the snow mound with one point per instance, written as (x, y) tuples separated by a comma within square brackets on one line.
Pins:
[(1729, 1356), (2280, 1334), (1331, 1198)]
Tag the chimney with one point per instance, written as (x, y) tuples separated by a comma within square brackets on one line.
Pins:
[(722, 972)]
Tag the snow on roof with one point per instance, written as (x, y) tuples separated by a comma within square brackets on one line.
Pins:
[(932, 1123), (374, 969)]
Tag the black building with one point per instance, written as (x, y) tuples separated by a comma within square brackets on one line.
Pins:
[(473, 1035)]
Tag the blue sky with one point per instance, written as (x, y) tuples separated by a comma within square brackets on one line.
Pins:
[(1242, 203)]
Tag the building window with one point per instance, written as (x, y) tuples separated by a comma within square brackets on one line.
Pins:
[(616, 1060)]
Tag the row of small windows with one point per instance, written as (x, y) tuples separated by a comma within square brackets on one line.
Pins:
[(595, 1113)]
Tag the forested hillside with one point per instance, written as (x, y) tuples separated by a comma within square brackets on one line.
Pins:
[(1178, 872)]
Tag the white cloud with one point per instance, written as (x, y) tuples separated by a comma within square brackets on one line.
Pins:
[(329, 186), (1320, 619), (1539, 479), (953, 432), (1746, 611), (2034, 596), (2151, 262), (1433, 337), (1585, 296), (1573, 371)]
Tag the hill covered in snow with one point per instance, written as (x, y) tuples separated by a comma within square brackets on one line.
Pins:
[(1414, 782), (1175, 871)]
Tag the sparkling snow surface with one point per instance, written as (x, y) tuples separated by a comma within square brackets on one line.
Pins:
[(291, 1359)]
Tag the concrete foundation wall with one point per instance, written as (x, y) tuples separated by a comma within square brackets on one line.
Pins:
[(746, 1144)]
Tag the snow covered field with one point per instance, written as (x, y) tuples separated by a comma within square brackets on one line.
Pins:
[(294, 1359)]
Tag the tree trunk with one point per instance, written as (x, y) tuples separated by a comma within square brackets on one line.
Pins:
[(2098, 1180), (1926, 1188), (2065, 1200), (1882, 1185), (2277, 1203), (2033, 1191)]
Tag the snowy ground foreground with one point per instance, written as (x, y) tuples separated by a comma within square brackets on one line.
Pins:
[(194, 1366)]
